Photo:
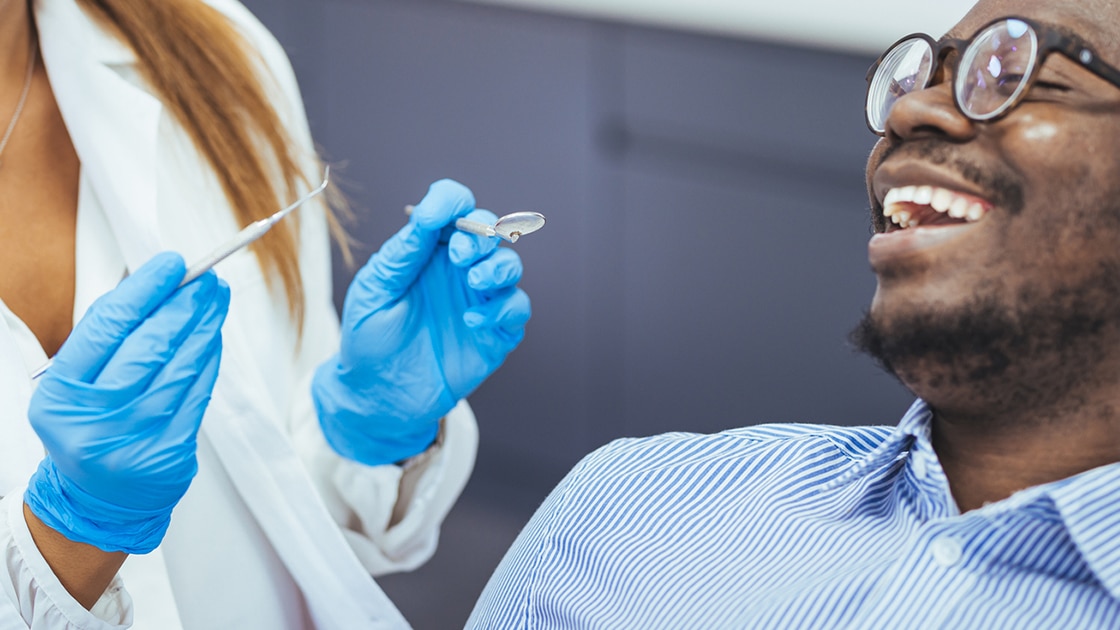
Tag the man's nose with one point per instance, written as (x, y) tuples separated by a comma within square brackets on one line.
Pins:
[(929, 112)]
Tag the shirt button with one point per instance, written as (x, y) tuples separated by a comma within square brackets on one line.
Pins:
[(947, 551), (919, 466)]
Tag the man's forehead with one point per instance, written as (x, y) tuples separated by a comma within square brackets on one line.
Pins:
[(1097, 21)]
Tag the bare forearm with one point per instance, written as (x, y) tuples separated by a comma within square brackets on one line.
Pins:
[(84, 570)]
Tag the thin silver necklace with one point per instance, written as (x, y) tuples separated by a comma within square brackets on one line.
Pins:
[(32, 55)]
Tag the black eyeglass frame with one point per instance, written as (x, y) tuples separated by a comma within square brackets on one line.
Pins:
[(1050, 39)]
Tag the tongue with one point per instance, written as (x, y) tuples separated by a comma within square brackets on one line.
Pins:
[(940, 219), (927, 216)]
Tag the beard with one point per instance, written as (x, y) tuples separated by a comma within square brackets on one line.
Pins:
[(1037, 352)]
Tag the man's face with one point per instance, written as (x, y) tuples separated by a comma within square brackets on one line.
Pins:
[(959, 299)]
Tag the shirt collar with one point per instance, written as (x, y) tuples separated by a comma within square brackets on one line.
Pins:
[(1086, 503), (108, 48), (1089, 508), (914, 423)]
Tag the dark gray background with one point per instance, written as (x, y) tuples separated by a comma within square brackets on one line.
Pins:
[(705, 253)]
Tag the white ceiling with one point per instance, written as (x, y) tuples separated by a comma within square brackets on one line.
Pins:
[(866, 26)]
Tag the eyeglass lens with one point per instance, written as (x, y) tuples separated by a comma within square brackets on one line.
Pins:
[(995, 67), (991, 76), (906, 68)]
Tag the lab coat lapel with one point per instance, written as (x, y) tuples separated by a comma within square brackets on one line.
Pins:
[(113, 122), (20, 449), (339, 592)]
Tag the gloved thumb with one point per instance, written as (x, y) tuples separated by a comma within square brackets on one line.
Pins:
[(392, 270), (446, 201), (116, 314)]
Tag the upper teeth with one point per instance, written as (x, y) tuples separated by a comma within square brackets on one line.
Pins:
[(942, 200)]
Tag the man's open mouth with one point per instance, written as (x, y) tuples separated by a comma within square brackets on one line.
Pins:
[(913, 206)]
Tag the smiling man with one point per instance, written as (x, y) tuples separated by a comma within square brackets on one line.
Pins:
[(995, 195)]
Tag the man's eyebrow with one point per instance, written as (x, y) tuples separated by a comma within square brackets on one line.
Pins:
[(1064, 30), (952, 37)]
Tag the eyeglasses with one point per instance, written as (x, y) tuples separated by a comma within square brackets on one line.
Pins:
[(995, 69)]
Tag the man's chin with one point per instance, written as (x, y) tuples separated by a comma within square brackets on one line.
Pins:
[(930, 359), (987, 354)]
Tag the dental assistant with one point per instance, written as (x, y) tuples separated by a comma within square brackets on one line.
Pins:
[(224, 455)]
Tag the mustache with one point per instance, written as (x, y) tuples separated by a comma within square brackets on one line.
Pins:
[(997, 181)]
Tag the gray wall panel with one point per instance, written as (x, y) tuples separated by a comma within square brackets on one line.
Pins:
[(800, 106), (738, 301)]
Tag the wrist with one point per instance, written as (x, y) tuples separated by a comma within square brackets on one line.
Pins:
[(358, 438), (83, 518), (83, 570), (419, 460), (364, 427)]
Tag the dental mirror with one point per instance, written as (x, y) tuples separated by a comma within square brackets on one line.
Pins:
[(509, 227), (517, 224)]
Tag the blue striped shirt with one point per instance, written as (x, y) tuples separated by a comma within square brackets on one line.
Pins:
[(800, 526)]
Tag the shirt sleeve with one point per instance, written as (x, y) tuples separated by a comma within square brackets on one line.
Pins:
[(508, 600), (542, 582), (389, 529), (33, 596)]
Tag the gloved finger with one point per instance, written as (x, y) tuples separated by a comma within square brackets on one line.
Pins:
[(391, 271), (192, 351), (153, 430), (192, 399), (58, 394), (465, 248), (163, 434), (179, 380), (500, 270), (509, 310), (446, 201), (155, 397), (115, 314), (159, 337)]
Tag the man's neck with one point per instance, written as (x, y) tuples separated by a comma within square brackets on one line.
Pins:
[(988, 458)]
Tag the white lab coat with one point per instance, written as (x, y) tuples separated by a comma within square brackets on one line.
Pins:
[(276, 531)]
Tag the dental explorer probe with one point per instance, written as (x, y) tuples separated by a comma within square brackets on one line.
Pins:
[(246, 236)]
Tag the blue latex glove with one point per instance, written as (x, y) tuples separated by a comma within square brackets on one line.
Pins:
[(119, 409), (425, 321)]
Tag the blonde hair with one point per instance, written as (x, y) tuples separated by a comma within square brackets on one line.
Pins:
[(204, 72)]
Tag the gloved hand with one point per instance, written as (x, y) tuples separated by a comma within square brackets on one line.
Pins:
[(119, 409), (429, 317)]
